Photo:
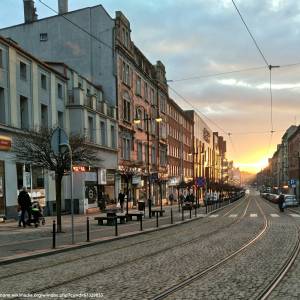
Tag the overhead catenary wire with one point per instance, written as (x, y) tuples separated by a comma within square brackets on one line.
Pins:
[(251, 35)]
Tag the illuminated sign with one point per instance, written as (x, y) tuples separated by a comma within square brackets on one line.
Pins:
[(79, 169), (5, 143)]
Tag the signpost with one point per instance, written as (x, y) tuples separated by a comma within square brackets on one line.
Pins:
[(59, 141)]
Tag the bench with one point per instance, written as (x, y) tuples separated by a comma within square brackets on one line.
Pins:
[(156, 211), (110, 220), (137, 214)]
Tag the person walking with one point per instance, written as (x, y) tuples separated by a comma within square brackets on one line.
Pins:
[(121, 199), (24, 202), (281, 202), (171, 198)]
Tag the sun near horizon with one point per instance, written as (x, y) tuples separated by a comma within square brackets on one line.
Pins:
[(252, 167)]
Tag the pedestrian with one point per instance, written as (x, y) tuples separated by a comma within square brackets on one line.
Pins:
[(19, 215), (171, 198), (121, 199), (24, 202), (281, 202)]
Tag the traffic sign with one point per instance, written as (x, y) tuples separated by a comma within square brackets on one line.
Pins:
[(59, 137)]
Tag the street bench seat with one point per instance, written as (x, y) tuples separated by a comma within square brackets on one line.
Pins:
[(157, 211), (110, 220), (137, 214)]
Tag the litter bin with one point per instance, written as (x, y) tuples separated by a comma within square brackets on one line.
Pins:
[(141, 205)]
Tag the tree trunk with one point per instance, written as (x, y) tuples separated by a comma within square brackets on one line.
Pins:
[(58, 180)]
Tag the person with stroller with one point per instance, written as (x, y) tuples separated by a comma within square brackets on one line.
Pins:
[(36, 211), (24, 202)]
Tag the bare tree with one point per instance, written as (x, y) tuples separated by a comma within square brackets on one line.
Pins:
[(34, 147)]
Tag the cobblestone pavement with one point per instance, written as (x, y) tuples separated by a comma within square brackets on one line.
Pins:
[(142, 266), (245, 276), (109, 255), (15, 240)]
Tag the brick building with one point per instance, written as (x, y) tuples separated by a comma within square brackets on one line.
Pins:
[(180, 160)]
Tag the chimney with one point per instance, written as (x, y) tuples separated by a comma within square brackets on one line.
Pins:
[(62, 7), (29, 11)]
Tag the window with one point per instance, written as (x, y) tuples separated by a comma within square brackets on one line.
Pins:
[(126, 148), (24, 121), (113, 136), (44, 81), (43, 37), (139, 151), (44, 116), (103, 133), (139, 116), (23, 71), (138, 89), (153, 154), (2, 106), (152, 96), (90, 129), (60, 118), (126, 108), (59, 91), (146, 90), (1, 58), (126, 73)]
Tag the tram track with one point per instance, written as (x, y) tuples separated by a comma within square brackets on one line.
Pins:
[(200, 274), (277, 279), (135, 259)]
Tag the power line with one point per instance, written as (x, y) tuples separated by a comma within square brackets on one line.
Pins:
[(253, 39), (79, 27)]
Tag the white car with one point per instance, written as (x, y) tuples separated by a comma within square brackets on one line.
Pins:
[(290, 200)]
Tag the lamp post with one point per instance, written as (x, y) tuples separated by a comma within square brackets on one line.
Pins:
[(138, 120)]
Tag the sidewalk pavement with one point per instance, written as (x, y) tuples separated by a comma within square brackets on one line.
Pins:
[(18, 241)]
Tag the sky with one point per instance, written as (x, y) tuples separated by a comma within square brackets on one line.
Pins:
[(197, 38)]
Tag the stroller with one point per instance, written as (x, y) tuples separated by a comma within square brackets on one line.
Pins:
[(37, 214)]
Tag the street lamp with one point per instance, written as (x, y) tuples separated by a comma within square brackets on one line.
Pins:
[(137, 121)]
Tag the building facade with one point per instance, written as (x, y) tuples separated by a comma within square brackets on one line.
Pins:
[(32, 95), (142, 94), (180, 151)]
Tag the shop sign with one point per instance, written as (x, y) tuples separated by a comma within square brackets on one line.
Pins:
[(174, 181), (5, 143), (102, 176), (136, 179), (91, 193), (79, 169)]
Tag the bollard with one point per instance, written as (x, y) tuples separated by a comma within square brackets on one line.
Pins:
[(206, 208), (87, 229), (116, 226), (196, 210), (54, 235), (171, 216), (190, 212), (141, 223), (182, 215), (156, 219)]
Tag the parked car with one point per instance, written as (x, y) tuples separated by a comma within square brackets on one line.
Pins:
[(290, 200)]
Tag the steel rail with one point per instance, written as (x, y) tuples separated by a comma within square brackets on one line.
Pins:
[(201, 274), (286, 266)]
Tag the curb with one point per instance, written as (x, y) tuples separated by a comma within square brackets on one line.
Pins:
[(66, 248)]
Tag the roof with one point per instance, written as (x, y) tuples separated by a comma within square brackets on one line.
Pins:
[(13, 44), (57, 15)]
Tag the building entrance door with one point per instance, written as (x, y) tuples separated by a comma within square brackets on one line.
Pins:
[(2, 188)]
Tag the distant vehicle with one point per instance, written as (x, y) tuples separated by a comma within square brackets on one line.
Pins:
[(247, 191), (290, 200)]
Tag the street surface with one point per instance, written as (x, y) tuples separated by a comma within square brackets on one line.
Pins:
[(245, 245)]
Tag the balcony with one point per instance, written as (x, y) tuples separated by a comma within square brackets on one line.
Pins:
[(90, 101)]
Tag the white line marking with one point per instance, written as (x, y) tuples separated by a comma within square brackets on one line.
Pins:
[(232, 216), (213, 216), (253, 215), (274, 215), (295, 215)]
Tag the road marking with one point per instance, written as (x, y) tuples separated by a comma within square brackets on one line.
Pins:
[(232, 216), (253, 215), (295, 215), (274, 215), (213, 216)]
